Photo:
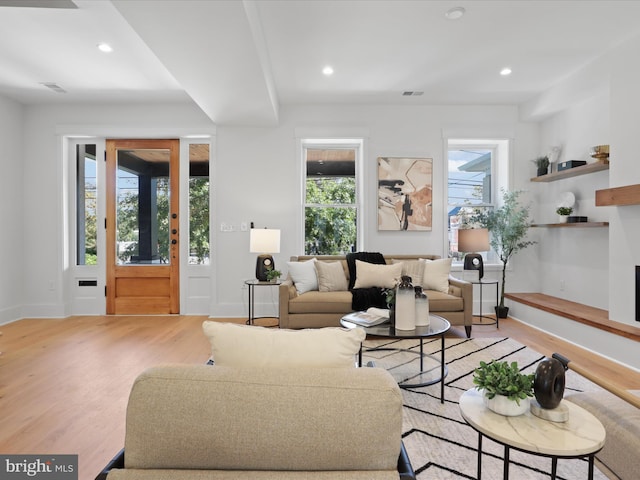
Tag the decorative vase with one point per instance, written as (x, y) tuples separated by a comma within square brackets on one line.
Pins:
[(502, 405), (502, 312), (562, 218), (548, 383), (422, 308), (405, 305), (542, 171)]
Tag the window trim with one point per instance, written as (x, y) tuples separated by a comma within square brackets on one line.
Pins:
[(356, 144), (501, 152)]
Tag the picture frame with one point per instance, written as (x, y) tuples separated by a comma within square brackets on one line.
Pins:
[(405, 194)]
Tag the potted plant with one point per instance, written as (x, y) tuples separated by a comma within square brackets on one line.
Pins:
[(273, 274), (542, 165), (508, 226), (564, 212), (505, 389)]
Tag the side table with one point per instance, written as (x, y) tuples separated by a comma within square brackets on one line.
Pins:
[(492, 320), (251, 285), (581, 436)]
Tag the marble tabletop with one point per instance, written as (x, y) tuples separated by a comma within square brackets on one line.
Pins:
[(581, 435)]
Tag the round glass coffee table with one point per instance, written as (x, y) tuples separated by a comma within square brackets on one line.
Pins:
[(438, 326)]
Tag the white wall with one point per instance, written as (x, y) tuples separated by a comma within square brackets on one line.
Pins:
[(256, 178), (45, 261), (624, 230), (259, 179), (563, 252), (12, 189)]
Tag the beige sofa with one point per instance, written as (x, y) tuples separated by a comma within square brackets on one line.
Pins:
[(202, 422), (316, 309)]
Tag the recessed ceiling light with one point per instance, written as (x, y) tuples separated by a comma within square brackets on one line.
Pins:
[(105, 47), (455, 13), (328, 70), (505, 71)]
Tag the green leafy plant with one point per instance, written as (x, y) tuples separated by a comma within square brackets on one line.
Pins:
[(541, 162), (564, 210), (508, 226), (390, 296), (273, 274), (503, 378)]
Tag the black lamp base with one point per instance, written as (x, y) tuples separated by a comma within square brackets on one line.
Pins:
[(263, 265), (473, 261)]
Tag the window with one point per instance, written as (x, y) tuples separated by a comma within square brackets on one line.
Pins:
[(470, 186), (199, 204), (331, 197), (86, 205)]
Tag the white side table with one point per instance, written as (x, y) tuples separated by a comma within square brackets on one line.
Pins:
[(581, 436)]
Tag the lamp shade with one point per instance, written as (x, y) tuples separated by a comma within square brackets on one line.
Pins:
[(264, 240), (473, 240)]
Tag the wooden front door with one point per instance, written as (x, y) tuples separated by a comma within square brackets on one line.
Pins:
[(142, 227)]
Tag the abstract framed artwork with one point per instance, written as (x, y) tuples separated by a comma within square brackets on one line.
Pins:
[(405, 193)]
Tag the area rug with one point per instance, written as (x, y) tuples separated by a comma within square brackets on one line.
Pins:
[(440, 444)]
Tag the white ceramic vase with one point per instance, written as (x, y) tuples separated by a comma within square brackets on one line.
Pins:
[(562, 218), (501, 405)]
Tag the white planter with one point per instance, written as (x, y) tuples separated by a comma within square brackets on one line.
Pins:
[(503, 406), (562, 218)]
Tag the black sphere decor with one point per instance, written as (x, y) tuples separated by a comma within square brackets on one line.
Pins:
[(548, 383)]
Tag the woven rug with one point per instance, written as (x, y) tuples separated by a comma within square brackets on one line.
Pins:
[(440, 444)]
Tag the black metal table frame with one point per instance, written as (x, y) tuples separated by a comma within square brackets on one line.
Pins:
[(507, 448), (494, 321), (444, 371), (251, 284)]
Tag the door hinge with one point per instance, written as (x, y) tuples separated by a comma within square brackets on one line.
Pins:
[(105, 290), (105, 222), (105, 155)]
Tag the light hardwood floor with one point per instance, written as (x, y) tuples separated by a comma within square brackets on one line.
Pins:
[(64, 383)]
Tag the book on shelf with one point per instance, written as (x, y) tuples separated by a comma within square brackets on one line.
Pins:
[(369, 318)]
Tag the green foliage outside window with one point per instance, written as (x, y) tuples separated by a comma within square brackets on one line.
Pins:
[(330, 216)]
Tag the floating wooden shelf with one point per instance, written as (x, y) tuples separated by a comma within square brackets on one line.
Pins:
[(628, 195), (571, 225), (573, 172)]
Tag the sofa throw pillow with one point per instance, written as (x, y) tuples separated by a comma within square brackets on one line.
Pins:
[(237, 345), (436, 275), (303, 275), (331, 277), (412, 268), (373, 275)]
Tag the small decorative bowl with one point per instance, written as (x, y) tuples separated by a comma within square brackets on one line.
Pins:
[(600, 151)]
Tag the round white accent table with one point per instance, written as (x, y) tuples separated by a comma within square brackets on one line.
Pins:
[(581, 436)]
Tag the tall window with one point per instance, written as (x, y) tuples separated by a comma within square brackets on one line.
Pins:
[(470, 186), (330, 197), (199, 204), (86, 205)]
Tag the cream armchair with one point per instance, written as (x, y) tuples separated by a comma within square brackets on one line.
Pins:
[(205, 422)]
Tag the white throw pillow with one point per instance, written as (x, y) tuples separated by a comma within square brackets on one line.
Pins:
[(331, 277), (436, 275), (373, 275), (413, 269), (237, 345), (304, 275)]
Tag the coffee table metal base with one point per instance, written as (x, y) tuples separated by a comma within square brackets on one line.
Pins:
[(410, 382)]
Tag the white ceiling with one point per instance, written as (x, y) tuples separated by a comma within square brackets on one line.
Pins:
[(240, 60)]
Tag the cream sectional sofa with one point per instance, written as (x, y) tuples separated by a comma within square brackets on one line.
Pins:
[(314, 309)]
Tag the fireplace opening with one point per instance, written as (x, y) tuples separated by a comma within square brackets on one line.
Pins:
[(637, 293)]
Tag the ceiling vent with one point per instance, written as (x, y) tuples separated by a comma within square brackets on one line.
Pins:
[(412, 94), (54, 86)]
